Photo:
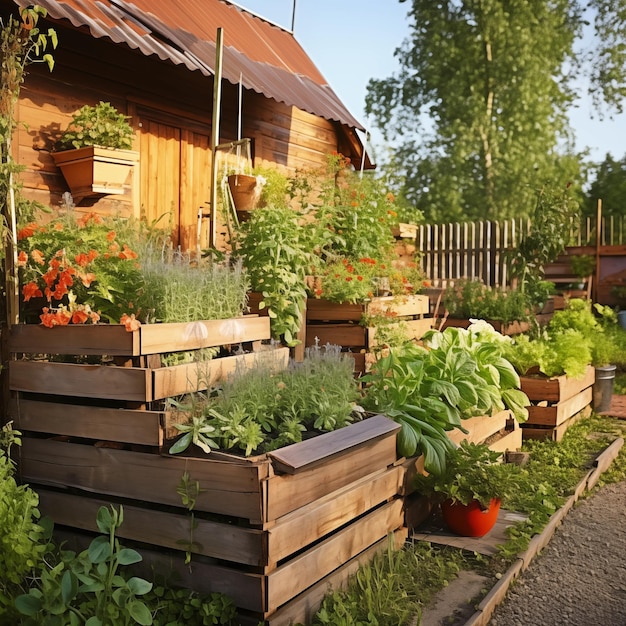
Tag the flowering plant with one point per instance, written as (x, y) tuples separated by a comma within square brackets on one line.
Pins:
[(79, 269)]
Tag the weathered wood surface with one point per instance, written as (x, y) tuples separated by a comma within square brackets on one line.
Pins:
[(224, 540), (302, 609), (558, 413), (306, 569), (303, 527), (557, 388), (554, 433), (480, 427), (133, 384), (114, 339), (394, 306), (287, 492), (91, 422), (312, 452), (227, 488)]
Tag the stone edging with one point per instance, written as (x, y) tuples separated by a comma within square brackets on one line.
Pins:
[(489, 603)]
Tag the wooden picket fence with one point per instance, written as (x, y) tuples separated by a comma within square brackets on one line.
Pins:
[(481, 250)]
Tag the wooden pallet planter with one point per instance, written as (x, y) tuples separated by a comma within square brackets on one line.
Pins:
[(340, 323), (266, 529), (555, 401)]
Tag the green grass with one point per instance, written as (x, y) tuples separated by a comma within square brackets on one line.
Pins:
[(397, 586)]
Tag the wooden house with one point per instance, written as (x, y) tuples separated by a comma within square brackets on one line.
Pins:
[(154, 60)]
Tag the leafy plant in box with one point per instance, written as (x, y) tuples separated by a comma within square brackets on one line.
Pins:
[(430, 390)]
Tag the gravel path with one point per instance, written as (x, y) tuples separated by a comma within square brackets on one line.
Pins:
[(579, 579)]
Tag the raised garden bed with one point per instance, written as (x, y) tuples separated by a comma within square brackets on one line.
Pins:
[(266, 530), (555, 403), (511, 328), (341, 323)]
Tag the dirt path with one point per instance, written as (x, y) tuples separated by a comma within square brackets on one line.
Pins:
[(580, 577)]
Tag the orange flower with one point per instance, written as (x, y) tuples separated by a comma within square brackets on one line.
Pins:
[(50, 276), (390, 197), (359, 277), (37, 256), (31, 290), (89, 217), (111, 235), (95, 317), (27, 231), (79, 316), (58, 226), (22, 259), (87, 278), (127, 253), (82, 259), (130, 322)]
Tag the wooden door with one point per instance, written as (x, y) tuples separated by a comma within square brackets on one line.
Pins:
[(175, 161)]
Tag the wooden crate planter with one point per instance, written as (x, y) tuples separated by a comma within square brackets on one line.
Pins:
[(340, 324), (555, 401), (267, 529)]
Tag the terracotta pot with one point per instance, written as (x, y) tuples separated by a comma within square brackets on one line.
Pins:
[(244, 191), (470, 520)]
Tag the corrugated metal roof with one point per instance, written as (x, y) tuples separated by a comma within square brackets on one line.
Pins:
[(268, 57)]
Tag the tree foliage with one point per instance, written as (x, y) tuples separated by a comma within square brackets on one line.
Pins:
[(610, 186), (479, 105)]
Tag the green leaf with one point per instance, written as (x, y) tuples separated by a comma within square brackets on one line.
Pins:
[(69, 586), (181, 445), (140, 613), (128, 556), (99, 550), (139, 586), (28, 604)]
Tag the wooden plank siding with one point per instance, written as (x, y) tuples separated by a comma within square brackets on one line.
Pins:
[(170, 110)]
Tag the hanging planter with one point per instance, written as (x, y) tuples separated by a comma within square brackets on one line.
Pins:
[(245, 192), (94, 171)]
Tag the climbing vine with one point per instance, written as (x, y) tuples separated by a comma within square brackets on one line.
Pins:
[(21, 43)]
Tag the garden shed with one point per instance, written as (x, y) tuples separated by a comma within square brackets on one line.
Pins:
[(155, 62)]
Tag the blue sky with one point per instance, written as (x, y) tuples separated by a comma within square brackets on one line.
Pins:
[(352, 41)]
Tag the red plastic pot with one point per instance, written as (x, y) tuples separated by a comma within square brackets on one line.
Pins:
[(470, 520)]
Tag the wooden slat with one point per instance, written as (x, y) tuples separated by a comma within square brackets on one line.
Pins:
[(110, 339), (202, 334), (180, 379), (133, 384), (347, 335), (554, 433), (413, 330), (310, 453), (512, 440), (303, 571), (246, 590), (92, 422), (558, 388), (480, 427), (558, 413), (302, 609), (226, 488), (310, 523), (287, 492), (169, 530)]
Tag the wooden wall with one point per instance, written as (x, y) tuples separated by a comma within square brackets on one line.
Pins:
[(170, 109)]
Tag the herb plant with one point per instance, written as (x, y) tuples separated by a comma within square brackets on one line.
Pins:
[(275, 250), (101, 125), (259, 410), (473, 472)]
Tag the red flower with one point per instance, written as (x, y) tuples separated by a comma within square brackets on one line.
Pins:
[(31, 290), (22, 259), (27, 231)]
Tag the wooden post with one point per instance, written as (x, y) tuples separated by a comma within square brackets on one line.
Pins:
[(596, 281), (215, 134)]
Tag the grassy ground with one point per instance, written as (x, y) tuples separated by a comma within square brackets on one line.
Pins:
[(396, 586)]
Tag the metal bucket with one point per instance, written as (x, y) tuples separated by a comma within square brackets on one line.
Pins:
[(603, 388)]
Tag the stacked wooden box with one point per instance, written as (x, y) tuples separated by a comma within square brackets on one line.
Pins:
[(556, 403), (341, 324), (270, 531)]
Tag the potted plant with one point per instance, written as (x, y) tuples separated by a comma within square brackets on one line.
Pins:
[(470, 488), (94, 153)]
